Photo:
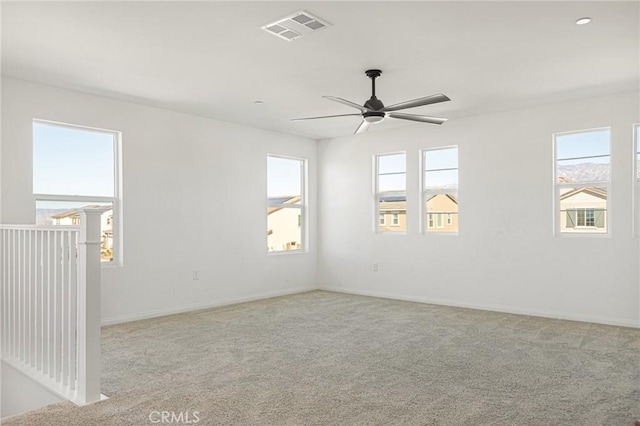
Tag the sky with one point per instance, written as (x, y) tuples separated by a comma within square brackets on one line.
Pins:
[(283, 176), (434, 161), (584, 144), (72, 161)]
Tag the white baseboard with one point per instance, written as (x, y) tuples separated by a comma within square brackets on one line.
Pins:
[(203, 305), (493, 308)]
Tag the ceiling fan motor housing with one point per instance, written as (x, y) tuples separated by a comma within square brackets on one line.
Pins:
[(374, 103), (373, 116)]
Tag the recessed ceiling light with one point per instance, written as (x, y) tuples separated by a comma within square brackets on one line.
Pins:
[(583, 21), (258, 102)]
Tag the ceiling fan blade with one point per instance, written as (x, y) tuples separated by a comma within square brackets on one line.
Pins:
[(363, 127), (325, 116), (346, 102), (420, 118), (428, 100)]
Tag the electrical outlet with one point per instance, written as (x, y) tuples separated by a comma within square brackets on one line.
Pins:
[(196, 275), (374, 268)]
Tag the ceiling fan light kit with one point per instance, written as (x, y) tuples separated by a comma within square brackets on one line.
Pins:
[(373, 111)]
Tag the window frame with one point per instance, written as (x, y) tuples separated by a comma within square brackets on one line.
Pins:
[(302, 207), (395, 219), (635, 136), (116, 200), (376, 193), (428, 220), (557, 188)]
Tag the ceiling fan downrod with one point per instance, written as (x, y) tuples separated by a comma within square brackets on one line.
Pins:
[(373, 74), (374, 103)]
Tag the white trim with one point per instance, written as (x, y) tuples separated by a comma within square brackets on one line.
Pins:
[(423, 224), (557, 187), (635, 197), (303, 205), (72, 198), (43, 227), (491, 308), (204, 305), (287, 252), (48, 383), (115, 200), (573, 132), (74, 126), (376, 193), (395, 219)]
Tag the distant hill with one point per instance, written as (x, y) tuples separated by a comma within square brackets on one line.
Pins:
[(585, 172)]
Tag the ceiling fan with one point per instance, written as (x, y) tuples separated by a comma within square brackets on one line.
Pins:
[(374, 111)]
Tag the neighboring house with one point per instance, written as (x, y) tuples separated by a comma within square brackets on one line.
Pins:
[(284, 230), (583, 210), (442, 213), (71, 217), (393, 216)]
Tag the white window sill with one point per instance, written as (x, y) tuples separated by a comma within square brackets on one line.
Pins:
[(583, 234), (440, 233), (287, 252)]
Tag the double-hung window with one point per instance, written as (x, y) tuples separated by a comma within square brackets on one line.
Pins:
[(582, 181), (440, 189), (286, 204), (78, 167), (391, 192)]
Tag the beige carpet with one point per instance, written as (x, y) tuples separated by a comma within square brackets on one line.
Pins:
[(323, 358)]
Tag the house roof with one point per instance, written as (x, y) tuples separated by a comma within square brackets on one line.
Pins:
[(393, 206), (596, 192), (288, 200), (449, 196), (74, 212), (400, 206)]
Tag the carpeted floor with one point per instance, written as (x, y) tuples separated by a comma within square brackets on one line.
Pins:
[(323, 358)]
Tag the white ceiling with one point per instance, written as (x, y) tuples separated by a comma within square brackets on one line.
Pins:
[(212, 59)]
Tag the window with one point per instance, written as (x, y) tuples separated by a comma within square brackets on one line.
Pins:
[(582, 177), (391, 191), (383, 219), (286, 204), (78, 167), (440, 189)]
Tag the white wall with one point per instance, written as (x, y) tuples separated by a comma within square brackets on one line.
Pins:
[(19, 393), (505, 257), (199, 184), (194, 184)]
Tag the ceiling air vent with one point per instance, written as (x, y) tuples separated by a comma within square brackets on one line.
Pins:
[(296, 25)]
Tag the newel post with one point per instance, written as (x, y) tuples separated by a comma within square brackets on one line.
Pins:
[(89, 276)]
